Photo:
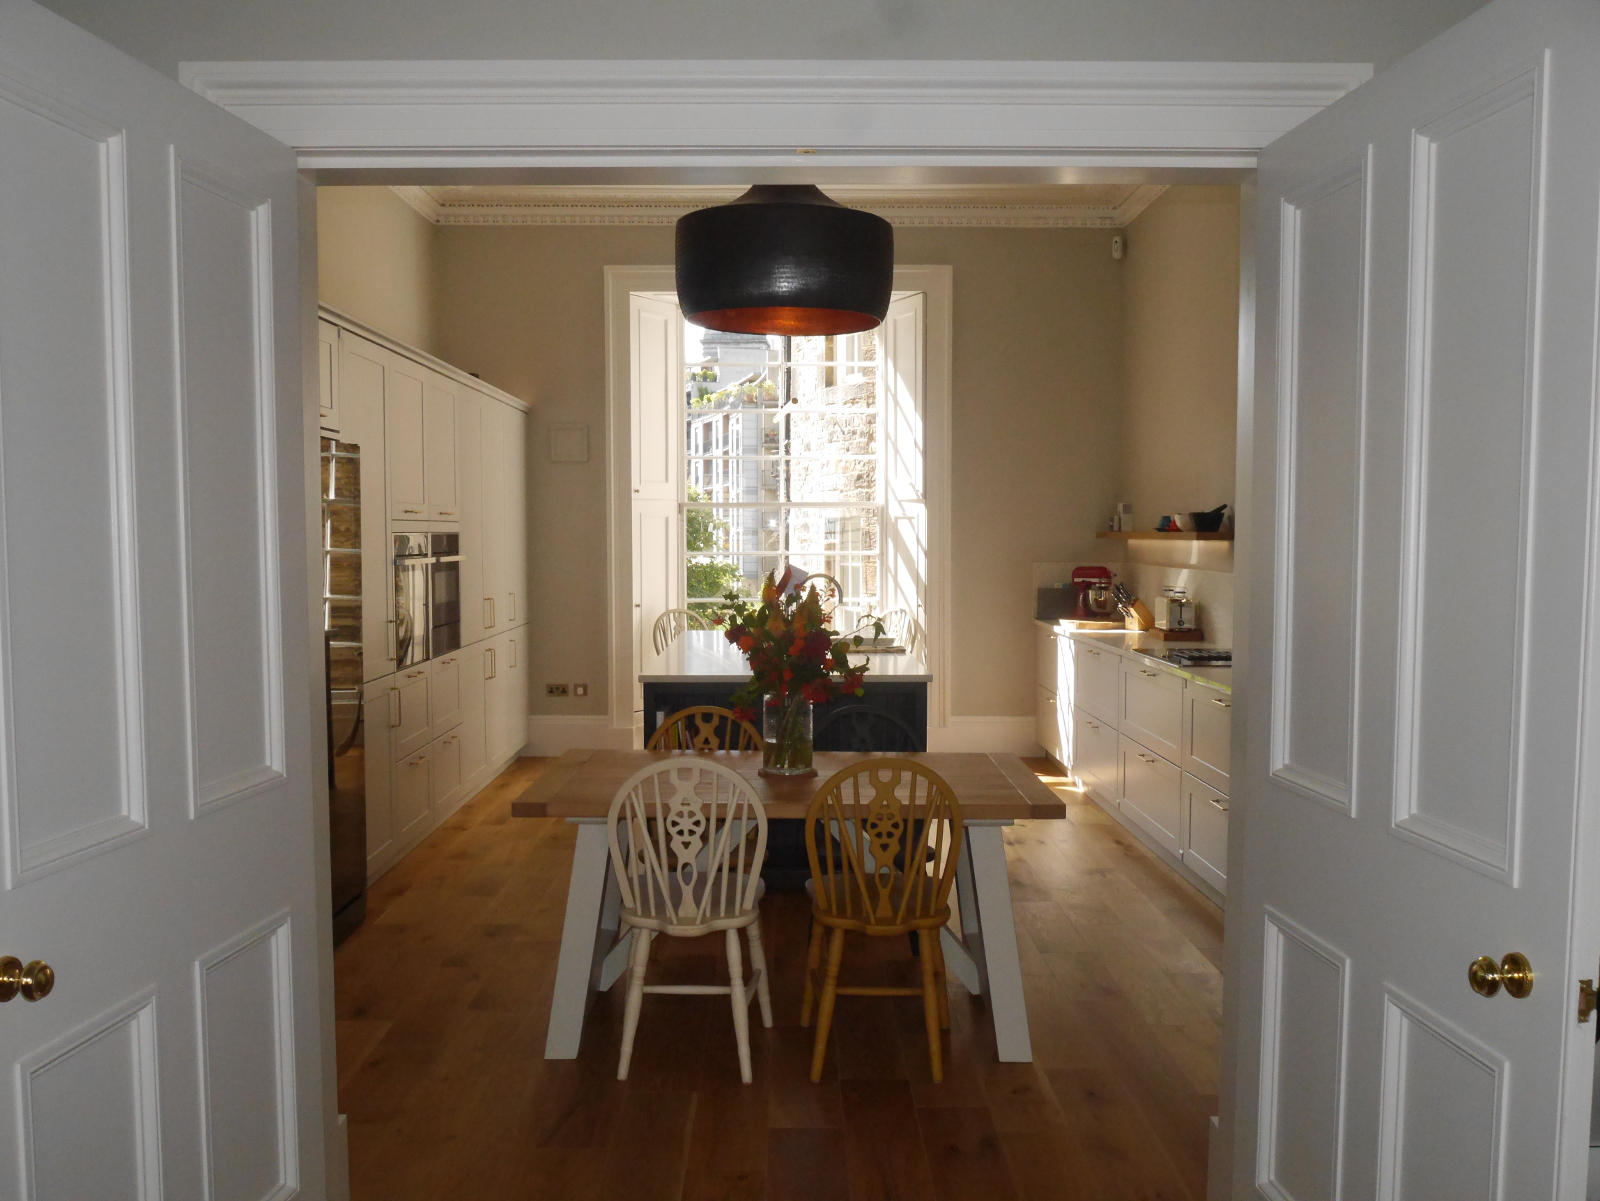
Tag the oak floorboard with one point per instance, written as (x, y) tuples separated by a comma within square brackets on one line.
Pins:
[(442, 998)]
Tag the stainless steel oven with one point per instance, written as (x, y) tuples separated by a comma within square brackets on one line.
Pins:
[(444, 594), (413, 562)]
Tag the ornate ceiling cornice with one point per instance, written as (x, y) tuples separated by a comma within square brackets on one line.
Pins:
[(1093, 207)]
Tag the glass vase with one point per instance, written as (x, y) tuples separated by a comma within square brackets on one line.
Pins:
[(786, 735)]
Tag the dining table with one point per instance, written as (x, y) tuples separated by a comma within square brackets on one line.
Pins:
[(993, 790)]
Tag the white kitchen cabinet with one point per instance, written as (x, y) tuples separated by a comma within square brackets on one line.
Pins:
[(470, 406), (440, 413), (444, 693), (405, 425), (505, 516), (1205, 843), (328, 376), (444, 774), (1096, 756), (474, 741), (1048, 723), (1207, 734), (412, 796), (412, 723), (1152, 707), (1096, 677), (362, 376), (517, 502), (438, 449), (377, 746), (1151, 794)]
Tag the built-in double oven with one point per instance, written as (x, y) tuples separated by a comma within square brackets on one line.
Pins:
[(427, 595)]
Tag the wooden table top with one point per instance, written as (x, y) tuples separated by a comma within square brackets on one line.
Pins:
[(582, 783)]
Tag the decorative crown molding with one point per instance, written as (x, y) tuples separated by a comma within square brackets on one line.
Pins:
[(717, 114), (906, 208)]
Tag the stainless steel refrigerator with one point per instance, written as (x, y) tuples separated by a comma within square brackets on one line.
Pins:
[(341, 616)]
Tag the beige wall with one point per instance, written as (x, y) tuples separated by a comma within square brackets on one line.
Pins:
[(1034, 403), (1180, 347), (377, 261)]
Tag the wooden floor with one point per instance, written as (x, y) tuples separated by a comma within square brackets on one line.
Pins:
[(443, 995)]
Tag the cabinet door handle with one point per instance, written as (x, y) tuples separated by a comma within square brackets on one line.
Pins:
[(1146, 672), (1222, 805), (494, 667), (419, 761), (513, 616), (513, 662), (447, 512), (1146, 758), (396, 708), (489, 621), (1092, 725), (417, 512), (415, 675), (1220, 703)]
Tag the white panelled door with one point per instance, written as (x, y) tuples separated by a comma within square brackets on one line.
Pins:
[(1417, 690), (156, 798)]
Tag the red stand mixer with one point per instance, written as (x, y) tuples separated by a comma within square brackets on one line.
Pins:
[(1092, 598)]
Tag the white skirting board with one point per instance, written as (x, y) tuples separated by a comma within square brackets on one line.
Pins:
[(1004, 735), (551, 734)]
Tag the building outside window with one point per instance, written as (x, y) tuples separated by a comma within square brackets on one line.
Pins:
[(784, 448)]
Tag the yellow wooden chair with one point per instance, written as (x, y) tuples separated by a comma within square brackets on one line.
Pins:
[(704, 728), (883, 837)]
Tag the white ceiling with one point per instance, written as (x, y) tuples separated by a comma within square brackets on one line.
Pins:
[(1018, 206)]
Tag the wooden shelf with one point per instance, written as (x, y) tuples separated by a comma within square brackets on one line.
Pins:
[(1166, 535)]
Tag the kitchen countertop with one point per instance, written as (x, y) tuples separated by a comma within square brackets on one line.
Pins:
[(706, 657), (1153, 646)]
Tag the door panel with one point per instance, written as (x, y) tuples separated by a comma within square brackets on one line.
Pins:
[(363, 370), (157, 705), (65, 182), (404, 428), (224, 417), (1325, 264), (439, 448), (1406, 841)]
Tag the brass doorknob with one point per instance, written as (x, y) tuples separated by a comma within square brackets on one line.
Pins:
[(1514, 972), (34, 981)]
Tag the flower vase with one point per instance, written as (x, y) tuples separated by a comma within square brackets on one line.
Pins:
[(786, 736)]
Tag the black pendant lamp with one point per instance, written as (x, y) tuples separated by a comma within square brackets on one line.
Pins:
[(784, 259)]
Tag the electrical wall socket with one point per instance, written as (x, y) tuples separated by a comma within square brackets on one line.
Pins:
[(555, 690), (580, 690)]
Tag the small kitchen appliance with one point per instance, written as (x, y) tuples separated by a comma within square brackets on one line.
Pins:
[(1093, 600), (1175, 611)]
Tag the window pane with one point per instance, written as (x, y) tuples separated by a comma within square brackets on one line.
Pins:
[(710, 576)]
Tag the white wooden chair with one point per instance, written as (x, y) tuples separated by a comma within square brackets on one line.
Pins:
[(672, 623), (688, 837), (905, 629)]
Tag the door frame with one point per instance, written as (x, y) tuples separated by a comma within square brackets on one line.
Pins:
[(390, 122)]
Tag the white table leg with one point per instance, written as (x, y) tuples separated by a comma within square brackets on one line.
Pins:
[(1002, 968), (576, 965)]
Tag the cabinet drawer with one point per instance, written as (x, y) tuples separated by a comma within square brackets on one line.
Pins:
[(1095, 755), (1152, 708), (1151, 793), (1048, 728), (409, 718), (1207, 851), (444, 693), (411, 791), (1208, 731), (1095, 683), (444, 770)]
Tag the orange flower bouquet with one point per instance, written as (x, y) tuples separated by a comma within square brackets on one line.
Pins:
[(796, 662)]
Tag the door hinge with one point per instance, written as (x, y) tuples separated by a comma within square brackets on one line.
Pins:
[(1588, 999)]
